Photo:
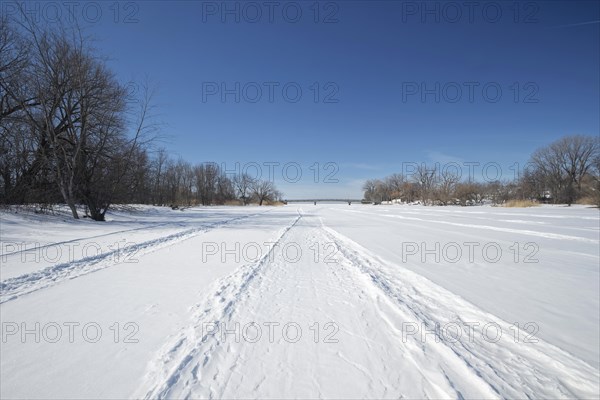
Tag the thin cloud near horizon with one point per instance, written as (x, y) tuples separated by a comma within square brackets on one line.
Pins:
[(576, 24)]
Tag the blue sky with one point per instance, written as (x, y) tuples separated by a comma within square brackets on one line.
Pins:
[(378, 62)]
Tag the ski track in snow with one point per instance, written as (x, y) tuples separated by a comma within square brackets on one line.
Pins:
[(37, 248), (13, 288), (488, 227), (509, 367), (225, 295), (375, 354)]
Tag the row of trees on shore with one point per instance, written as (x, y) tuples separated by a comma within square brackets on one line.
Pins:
[(71, 133), (164, 181), (564, 172)]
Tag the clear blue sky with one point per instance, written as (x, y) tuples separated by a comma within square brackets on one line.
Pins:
[(375, 55)]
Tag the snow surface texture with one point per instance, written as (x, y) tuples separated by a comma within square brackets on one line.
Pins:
[(330, 301)]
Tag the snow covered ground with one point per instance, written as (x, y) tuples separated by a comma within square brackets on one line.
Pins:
[(302, 301)]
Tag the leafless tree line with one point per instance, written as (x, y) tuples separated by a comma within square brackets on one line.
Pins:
[(180, 183), (71, 133), (563, 172), (568, 169)]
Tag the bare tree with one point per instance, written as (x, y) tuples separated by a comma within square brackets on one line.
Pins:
[(243, 184), (563, 164), (16, 94), (447, 187), (77, 116), (394, 184), (369, 188), (426, 178), (22, 172), (66, 80), (206, 182), (224, 189), (157, 173), (263, 191)]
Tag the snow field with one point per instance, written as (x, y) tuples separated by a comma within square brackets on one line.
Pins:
[(311, 301)]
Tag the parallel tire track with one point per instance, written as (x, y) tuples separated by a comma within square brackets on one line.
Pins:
[(13, 288), (177, 363), (17, 252), (509, 368)]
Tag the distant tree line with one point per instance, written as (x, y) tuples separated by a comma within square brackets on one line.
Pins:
[(71, 133), (564, 172), (180, 183)]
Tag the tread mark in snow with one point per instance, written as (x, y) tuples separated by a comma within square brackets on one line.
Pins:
[(505, 365), (12, 288), (189, 346)]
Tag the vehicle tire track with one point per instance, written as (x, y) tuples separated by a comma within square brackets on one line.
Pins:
[(200, 364), (13, 288), (13, 253), (509, 366), (537, 234), (179, 363), (370, 299)]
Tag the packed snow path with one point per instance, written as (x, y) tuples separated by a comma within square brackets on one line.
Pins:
[(285, 305), (360, 306)]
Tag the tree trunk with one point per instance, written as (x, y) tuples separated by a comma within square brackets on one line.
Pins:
[(73, 209), (66, 194)]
